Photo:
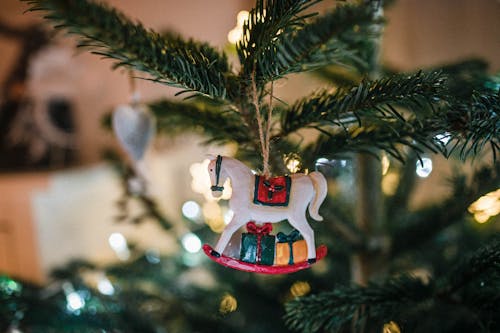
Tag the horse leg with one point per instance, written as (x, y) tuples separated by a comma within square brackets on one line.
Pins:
[(229, 230), (300, 223)]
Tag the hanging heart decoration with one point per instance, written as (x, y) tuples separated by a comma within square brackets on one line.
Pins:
[(135, 127)]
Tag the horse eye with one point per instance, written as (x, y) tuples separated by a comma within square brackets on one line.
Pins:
[(211, 170)]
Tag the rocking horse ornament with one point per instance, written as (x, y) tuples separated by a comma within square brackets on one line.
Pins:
[(255, 201)]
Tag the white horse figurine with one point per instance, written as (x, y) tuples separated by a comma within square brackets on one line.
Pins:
[(305, 190)]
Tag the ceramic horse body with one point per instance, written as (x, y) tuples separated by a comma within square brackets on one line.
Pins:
[(306, 190)]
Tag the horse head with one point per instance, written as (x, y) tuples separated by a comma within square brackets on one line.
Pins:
[(218, 175)]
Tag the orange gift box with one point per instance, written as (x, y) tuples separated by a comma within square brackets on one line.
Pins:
[(282, 253)]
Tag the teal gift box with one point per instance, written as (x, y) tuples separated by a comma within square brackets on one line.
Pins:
[(257, 246)]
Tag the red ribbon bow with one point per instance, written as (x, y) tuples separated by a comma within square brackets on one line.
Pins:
[(259, 230)]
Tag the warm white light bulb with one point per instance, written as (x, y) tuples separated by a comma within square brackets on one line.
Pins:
[(235, 35), (386, 163), (191, 243), (293, 165), (486, 206), (242, 17)]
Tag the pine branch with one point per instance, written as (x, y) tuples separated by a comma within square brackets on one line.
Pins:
[(403, 297), (169, 59), (475, 124), (333, 310), (267, 20), (218, 123), (339, 36), (369, 99), (472, 268), (389, 136), (37, 309), (424, 224), (363, 120), (472, 285)]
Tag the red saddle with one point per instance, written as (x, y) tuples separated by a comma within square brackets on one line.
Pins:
[(273, 191)]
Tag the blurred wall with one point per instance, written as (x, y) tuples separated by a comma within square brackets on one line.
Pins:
[(423, 33)]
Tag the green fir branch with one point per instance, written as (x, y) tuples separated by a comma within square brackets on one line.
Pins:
[(475, 124), (333, 310), (405, 298), (416, 228), (168, 58), (339, 36), (376, 99), (37, 309), (218, 123), (374, 116), (266, 21), (375, 135), (472, 268)]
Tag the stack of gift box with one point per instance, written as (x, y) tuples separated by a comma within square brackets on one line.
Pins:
[(258, 246)]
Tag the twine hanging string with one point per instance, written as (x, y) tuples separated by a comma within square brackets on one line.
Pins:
[(269, 119), (264, 137), (134, 94)]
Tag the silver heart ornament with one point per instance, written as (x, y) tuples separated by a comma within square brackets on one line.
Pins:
[(134, 127)]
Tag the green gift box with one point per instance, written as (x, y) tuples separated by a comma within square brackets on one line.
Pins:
[(257, 246)]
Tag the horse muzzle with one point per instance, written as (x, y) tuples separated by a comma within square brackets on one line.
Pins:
[(217, 191), (216, 188)]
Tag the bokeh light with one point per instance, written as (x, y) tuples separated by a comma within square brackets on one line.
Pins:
[(228, 304), (118, 243), (191, 209), (105, 287), (424, 167), (74, 301), (486, 206), (386, 163), (191, 243), (300, 288)]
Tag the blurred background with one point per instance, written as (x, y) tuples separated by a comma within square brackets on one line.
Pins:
[(57, 196)]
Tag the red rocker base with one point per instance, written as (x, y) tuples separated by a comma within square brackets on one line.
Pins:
[(262, 269)]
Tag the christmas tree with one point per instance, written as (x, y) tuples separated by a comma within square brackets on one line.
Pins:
[(391, 267)]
